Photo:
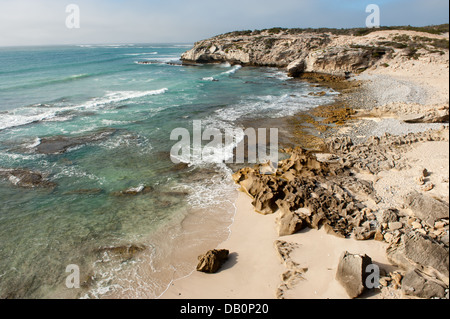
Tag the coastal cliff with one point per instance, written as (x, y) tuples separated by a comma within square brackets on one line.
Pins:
[(311, 51)]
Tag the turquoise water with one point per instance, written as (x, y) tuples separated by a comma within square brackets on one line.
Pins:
[(84, 91)]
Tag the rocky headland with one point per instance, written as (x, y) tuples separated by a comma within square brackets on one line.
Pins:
[(378, 181)]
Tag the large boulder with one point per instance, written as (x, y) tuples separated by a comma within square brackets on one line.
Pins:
[(415, 285), (212, 261), (414, 252), (426, 208), (351, 273)]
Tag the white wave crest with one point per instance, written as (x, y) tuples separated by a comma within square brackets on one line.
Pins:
[(28, 115), (233, 70)]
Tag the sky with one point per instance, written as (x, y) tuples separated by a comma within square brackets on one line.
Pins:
[(43, 22)]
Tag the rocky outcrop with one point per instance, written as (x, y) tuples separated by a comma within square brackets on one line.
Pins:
[(351, 273), (414, 252), (416, 285), (212, 261), (379, 153), (309, 193), (60, 144), (426, 208), (297, 53), (294, 273)]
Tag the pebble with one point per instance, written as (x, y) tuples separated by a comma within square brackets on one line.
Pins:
[(422, 231), (428, 187), (395, 226), (439, 225), (417, 225), (389, 237)]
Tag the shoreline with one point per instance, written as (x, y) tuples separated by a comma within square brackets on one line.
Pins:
[(318, 281)]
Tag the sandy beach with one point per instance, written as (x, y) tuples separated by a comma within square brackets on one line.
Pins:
[(388, 96)]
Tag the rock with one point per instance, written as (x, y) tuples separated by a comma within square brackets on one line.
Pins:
[(362, 233), (212, 261), (379, 236), (397, 278), (395, 226), (428, 187), (432, 116), (389, 216), (288, 223), (330, 231), (416, 252), (60, 144), (416, 285), (439, 225), (420, 181), (321, 93), (296, 68), (417, 225), (123, 253), (426, 208), (351, 273), (26, 178), (389, 237), (134, 191)]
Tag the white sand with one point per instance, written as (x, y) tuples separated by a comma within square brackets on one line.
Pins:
[(254, 269)]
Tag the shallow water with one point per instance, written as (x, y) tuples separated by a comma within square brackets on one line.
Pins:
[(125, 246)]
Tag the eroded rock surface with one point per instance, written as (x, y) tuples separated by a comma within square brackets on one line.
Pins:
[(26, 178), (212, 261), (351, 273)]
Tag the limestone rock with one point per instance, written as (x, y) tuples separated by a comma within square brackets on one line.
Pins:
[(351, 273), (414, 284), (414, 252), (299, 53), (389, 216), (212, 261), (289, 223), (426, 208)]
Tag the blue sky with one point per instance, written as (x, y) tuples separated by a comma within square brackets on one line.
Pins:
[(38, 22)]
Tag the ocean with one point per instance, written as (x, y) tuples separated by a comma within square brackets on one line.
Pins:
[(97, 122)]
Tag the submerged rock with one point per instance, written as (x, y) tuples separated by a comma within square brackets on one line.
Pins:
[(26, 178), (60, 144), (134, 191), (212, 261), (123, 253)]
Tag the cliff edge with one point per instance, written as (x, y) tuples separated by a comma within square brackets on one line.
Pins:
[(311, 51)]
